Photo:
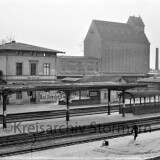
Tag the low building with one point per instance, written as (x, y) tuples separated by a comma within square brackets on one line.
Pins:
[(23, 63), (77, 66)]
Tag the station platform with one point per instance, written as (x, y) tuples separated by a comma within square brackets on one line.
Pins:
[(77, 121), (41, 107), (145, 147), (22, 108)]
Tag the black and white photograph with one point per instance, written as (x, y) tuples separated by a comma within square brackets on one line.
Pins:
[(79, 79)]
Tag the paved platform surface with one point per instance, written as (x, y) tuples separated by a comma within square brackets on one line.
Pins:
[(147, 146), (21, 108), (78, 121), (40, 107)]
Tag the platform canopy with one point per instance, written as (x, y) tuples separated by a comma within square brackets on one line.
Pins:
[(153, 80), (10, 89), (138, 94)]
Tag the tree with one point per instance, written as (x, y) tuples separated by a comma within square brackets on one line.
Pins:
[(8, 39)]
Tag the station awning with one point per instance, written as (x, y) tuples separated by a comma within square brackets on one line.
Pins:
[(9, 89), (138, 94)]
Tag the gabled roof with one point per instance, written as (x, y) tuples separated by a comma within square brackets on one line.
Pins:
[(16, 46), (114, 31)]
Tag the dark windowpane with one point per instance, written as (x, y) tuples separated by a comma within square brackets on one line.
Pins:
[(18, 68), (33, 69)]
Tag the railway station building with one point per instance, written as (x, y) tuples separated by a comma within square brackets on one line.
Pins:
[(27, 64), (111, 49)]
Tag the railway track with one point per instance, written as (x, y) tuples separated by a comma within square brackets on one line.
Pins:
[(29, 116), (24, 143)]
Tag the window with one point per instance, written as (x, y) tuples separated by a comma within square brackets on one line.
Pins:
[(46, 69), (33, 69), (20, 53), (105, 95), (18, 69), (19, 95)]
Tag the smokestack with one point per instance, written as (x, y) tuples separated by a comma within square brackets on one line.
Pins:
[(157, 60)]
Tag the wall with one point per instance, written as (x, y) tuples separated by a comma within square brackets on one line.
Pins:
[(92, 43), (78, 66), (124, 57), (25, 99), (3, 64), (8, 66), (104, 96), (117, 57), (8, 62)]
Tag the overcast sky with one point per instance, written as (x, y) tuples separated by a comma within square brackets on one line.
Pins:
[(63, 24)]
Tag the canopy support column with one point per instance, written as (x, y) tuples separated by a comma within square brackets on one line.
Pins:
[(119, 103), (123, 101), (154, 99), (79, 94), (130, 103), (134, 101), (67, 104), (4, 111), (144, 100), (109, 99)]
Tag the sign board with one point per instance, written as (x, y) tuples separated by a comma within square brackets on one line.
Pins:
[(33, 77), (93, 94), (51, 96)]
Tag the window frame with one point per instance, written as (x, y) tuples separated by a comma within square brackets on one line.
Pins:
[(45, 71), (21, 69), (35, 62)]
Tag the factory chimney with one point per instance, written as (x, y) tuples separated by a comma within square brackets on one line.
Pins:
[(157, 60)]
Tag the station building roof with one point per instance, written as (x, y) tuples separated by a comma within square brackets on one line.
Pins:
[(16, 46)]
